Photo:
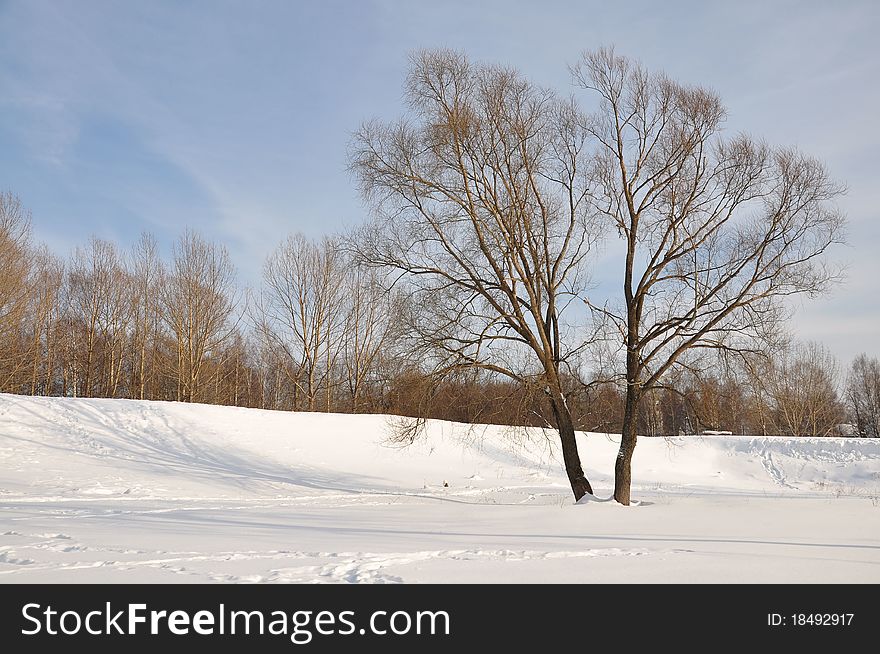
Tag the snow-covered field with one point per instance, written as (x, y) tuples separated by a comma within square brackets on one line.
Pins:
[(127, 491)]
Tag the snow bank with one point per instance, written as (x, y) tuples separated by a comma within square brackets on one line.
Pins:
[(130, 492), (59, 447)]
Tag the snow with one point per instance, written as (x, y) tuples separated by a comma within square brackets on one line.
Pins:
[(126, 491)]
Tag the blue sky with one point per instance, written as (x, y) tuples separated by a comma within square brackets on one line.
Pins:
[(233, 117)]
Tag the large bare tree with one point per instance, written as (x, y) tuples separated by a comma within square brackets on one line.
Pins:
[(482, 209), (716, 232)]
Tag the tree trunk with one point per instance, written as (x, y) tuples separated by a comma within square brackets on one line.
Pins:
[(87, 381), (623, 464), (143, 366), (327, 376), (49, 362), (37, 355), (580, 486)]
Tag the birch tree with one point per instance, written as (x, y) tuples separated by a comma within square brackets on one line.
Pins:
[(199, 298), (99, 307), (300, 313), (147, 272), (46, 282)]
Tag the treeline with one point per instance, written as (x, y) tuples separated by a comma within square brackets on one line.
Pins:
[(322, 334)]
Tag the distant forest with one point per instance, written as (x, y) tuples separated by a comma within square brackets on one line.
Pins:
[(325, 334)]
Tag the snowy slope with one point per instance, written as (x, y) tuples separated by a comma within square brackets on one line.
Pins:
[(120, 490)]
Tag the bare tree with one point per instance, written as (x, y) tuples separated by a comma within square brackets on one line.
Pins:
[(100, 307), (15, 266), (147, 272), (368, 328), (863, 395), (802, 388), (716, 231), (481, 206), (198, 301), (299, 312), (47, 280), (711, 395)]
